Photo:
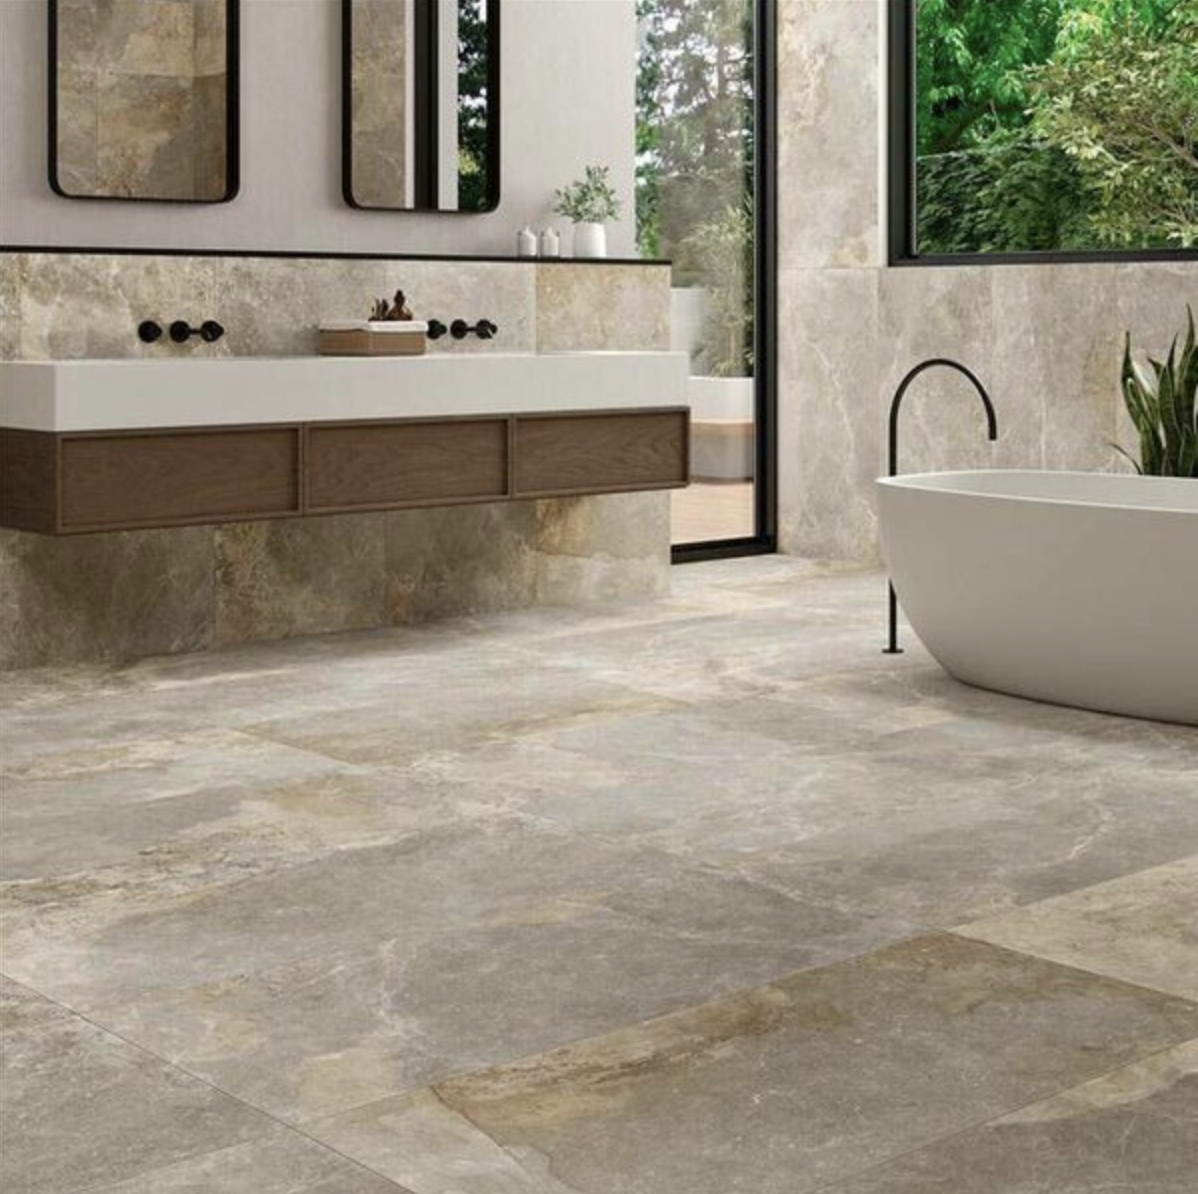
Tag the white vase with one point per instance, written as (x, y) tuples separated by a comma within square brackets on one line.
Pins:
[(590, 240)]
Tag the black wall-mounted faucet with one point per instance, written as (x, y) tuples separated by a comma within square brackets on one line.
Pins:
[(209, 331), (149, 331), (484, 329), (892, 647)]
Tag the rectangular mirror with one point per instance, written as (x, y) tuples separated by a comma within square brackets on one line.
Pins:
[(143, 99), (421, 105)]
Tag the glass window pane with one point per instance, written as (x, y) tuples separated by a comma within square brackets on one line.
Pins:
[(696, 119), (1056, 125)]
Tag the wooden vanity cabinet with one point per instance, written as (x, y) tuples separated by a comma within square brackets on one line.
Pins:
[(74, 482)]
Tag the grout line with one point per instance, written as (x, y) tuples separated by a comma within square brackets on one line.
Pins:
[(268, 1115), (836, 1183)]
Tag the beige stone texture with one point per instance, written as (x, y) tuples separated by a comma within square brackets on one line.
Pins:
[(295, 577), (1046, 340), (602, 306)]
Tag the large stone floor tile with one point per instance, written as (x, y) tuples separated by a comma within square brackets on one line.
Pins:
[(816, 1078), (79, 1107), (213, 801), (439, 712), (1142, 929), (432, 1149), (381, 971), (282, 1162), (1133, 1130)]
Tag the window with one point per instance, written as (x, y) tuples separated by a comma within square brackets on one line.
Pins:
[(1044, 127)]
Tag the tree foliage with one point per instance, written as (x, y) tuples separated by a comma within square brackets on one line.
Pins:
[(1056, 124)]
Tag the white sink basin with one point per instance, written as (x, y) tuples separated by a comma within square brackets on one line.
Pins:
[(197, 392)]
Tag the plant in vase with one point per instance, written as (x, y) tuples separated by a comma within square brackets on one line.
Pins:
[(589, 203), (1162, 402)]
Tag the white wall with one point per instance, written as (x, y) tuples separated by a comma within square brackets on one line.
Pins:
[(569, 77)]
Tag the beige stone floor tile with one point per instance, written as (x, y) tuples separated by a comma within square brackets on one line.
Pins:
[(79, 1107), (1133, 1130), (811, 1080), (1141, 928), (282, 1162), (385, 969), (416, 1139)]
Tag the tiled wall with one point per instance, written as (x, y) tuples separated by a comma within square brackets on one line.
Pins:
[(120, 595), (1047, 340)]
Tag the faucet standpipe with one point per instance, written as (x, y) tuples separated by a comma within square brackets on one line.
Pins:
[(892, 647)]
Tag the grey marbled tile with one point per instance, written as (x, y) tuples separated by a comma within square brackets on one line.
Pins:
[(1141, 928), (586, 307), (108, 596), (829, 436), (82, 1107), (280, 1162), (461, 559), (418, 1140), (89, 305), (274, 306), (949, 312), (818, 1077), (1130, 1130), (828, 117), (187, 811), (503, 292), (12, 269), (1056, 345), (299, 576), (471, 940), (610, 547)]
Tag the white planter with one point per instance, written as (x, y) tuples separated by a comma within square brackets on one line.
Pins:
[(590, 240)]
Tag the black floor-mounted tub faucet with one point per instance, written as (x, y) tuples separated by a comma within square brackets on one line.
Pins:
[(892, 647)]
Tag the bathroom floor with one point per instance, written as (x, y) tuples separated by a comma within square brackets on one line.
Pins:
[(705, 896)]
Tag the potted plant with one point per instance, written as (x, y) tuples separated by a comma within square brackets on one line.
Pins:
[(1162, 402), (589, 202)]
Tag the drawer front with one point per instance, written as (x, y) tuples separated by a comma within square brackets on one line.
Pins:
[(176, 478), (375, 466), (558, 454)]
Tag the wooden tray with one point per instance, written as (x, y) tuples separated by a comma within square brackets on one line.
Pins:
[(365, 343)]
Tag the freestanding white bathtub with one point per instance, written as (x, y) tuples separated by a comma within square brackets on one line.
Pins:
[(1075, 588)]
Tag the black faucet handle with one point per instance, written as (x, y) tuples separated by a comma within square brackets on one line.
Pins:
[(484, 329), (149, 330), (209, 331), (436, 329)]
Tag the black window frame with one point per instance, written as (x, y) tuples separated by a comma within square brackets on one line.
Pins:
[(902, 212), (764, 540)]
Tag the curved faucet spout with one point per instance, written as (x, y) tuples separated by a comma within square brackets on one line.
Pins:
[(892, 647), (905, 385)]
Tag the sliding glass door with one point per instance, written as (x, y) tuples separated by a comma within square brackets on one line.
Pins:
[(704, 200)]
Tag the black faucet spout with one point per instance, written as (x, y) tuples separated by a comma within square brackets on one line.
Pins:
[(892, 647)]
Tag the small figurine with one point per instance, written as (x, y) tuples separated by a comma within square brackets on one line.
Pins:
[(396, 311)]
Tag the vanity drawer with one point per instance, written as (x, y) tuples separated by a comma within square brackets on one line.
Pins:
[(365, 466), (601, 453), (175, 478)]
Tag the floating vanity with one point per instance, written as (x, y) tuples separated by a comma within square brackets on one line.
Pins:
[(117, 445)]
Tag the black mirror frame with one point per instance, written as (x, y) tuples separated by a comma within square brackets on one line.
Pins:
[(232, 115), (426, 83)]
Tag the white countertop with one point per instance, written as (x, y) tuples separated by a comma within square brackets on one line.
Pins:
[(109, 395)]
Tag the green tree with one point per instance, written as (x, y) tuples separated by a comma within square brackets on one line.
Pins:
[(1122, 104), (474, 187), (1054, 124)]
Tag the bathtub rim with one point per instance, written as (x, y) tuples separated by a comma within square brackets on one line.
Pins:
[(944, 482)]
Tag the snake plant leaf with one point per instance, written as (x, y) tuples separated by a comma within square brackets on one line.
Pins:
[(1162, 403)]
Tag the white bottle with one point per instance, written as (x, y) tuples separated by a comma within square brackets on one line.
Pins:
[(526, 242), (551, 243)]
